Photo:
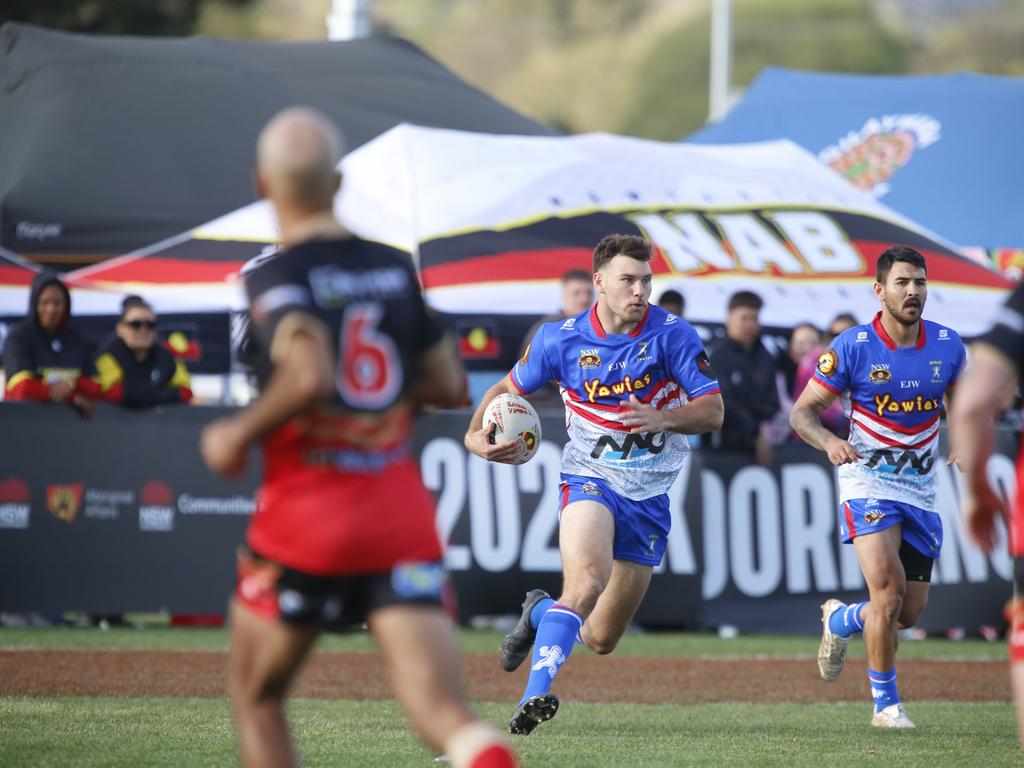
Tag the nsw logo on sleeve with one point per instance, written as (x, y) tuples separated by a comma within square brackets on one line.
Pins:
[(828, 362)]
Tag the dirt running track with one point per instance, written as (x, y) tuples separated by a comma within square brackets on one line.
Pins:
[(585, 679)]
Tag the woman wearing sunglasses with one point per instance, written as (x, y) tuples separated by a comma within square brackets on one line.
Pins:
[(133, 369)]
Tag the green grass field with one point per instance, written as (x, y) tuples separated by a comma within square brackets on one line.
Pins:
[(198, 732)]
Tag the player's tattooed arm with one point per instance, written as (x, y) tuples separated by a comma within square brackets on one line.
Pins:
[(805, 419)]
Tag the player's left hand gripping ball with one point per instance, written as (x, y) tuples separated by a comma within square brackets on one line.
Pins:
[(514, 419)]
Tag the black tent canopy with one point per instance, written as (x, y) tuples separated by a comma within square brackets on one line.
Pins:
[(108, 144)]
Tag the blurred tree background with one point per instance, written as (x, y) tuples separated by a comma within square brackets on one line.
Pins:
[(638, 67)]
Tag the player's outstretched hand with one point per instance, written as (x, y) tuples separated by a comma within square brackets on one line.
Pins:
[(223, 448), (841, 452), (980, 511), (641, 417), (480, 443)]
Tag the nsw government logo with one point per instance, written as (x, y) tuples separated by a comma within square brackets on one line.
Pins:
[(14, 506), (156, 508)]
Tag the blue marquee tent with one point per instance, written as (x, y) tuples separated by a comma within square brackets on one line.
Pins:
[(944, 150)]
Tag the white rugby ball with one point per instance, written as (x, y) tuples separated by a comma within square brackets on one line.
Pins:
[(515, 419)]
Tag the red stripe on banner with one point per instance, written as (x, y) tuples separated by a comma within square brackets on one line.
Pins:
[(551, 264), (942, 267), (896, 443), (541, 264), (153, 269), (914, 430), (18, 276)]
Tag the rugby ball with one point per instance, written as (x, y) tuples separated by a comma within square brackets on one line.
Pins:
[(514, 419)]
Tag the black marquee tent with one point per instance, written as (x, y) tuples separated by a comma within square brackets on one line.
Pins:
[(108, 144)]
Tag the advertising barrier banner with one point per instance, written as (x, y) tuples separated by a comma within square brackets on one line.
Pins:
[(119, 514)]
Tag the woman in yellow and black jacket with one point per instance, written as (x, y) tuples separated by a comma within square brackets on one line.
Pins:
[(135, 371)]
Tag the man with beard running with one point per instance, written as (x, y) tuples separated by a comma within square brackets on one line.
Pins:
[(897, 370)]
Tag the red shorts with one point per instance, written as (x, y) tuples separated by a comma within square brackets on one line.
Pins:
[(327, 522)]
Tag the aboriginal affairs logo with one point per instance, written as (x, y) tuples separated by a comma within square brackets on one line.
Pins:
[(63, 500), (828, 362)]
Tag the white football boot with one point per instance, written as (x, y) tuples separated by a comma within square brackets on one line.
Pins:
[(893, 716), (832, 651)]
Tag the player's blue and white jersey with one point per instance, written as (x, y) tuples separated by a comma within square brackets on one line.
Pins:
[(662, 362), (895, 400)]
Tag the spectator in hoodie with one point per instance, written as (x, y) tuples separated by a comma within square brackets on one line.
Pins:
[(44, 358)]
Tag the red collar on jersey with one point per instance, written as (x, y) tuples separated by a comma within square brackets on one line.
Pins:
[(595, 323), (887, 340)]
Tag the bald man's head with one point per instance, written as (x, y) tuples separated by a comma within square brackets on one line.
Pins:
[(296, 157)]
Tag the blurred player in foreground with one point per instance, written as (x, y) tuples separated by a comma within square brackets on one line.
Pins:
[(344, 529), (897, 369), (634, 379), (987, 388)]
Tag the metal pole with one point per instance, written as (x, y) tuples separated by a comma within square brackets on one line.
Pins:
[(348, 19), (721, 59)]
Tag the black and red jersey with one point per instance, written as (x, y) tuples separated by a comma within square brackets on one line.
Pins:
[(341, 493)]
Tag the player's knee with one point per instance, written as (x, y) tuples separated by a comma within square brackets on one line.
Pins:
[(909, 614), (249, 691), (582, 595), (602, 646), (887, 602)]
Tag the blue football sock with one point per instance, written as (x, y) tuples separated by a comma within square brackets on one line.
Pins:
[(847, 620), (538, 611), (556, 636), (883, 688)]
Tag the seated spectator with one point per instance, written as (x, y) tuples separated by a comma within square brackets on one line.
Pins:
[(746, 374), (802, 340), (834, 417), (577, 297), (672, 301), (135, 371), (44, 358)]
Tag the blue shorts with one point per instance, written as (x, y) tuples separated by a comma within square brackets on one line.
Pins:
[(641, 527), (921, 529)]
